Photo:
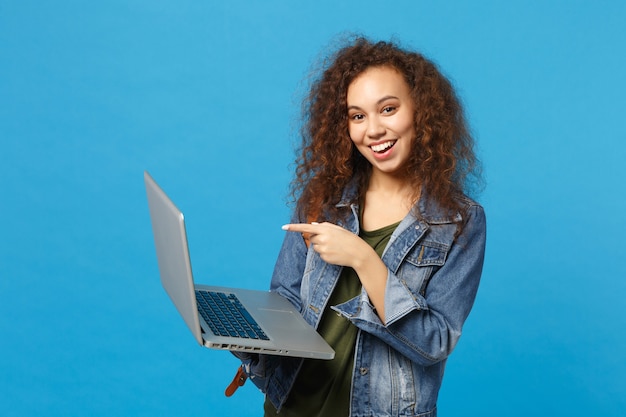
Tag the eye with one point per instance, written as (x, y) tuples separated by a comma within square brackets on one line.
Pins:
[(357, 117), (389, 109)]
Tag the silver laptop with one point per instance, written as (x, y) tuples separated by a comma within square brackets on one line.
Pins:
[(262, 321)]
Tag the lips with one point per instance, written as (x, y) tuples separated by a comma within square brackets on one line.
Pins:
[(383, 146)]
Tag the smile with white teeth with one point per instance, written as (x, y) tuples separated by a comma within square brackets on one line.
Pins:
[(382, 147)]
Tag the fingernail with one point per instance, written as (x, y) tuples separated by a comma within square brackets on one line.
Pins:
[(314, 223), (285, 227)]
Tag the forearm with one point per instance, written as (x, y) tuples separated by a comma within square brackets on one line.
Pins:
[(373, 275)]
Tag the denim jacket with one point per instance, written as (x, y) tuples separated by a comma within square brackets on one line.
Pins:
[(431, 285)]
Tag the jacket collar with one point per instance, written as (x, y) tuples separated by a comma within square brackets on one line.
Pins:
[(428, 209)]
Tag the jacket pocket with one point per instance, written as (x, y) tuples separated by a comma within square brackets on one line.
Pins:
[(428, 254), (421, 263)]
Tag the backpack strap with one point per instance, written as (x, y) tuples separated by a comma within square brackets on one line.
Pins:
[(238, 381)]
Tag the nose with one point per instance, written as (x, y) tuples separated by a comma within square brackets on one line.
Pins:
[(375, 129)]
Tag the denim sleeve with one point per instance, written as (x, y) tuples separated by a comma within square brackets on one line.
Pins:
[(426, 328), (289, 267)]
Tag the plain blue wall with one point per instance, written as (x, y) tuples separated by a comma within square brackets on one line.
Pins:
[(205, 95)]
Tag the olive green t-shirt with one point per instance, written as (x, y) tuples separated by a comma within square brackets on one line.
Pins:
[(322, 388)]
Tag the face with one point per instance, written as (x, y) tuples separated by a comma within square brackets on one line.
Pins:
[(380, 118)]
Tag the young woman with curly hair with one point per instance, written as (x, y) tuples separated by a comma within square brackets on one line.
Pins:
[(388, 249)]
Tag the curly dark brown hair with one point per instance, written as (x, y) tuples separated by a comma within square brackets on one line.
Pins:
[(442, 160)]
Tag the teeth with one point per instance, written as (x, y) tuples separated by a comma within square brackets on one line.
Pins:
[(383, 146)]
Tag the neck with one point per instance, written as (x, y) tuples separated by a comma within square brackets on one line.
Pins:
[(389, 183), (394, 188)]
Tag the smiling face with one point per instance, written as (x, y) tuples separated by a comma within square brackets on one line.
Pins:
[(380, 118)]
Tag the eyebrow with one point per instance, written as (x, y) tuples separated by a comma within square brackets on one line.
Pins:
[(383, 99)]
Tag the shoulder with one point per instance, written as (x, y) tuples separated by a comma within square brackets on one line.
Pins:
[(467, 218), (431, 211), (466, 201), (470, 207)]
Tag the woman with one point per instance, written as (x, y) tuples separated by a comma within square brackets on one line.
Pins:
[(385, 251)]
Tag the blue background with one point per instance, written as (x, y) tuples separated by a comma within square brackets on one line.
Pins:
[(205, 95)]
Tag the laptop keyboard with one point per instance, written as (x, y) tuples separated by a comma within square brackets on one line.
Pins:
[(226, 316)]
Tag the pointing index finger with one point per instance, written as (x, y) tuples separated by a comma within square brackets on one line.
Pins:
[(301, 227)]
